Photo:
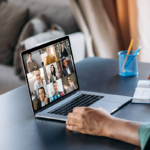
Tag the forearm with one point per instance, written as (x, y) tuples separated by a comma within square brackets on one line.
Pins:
[(46, 63), (98, 122), (46, 100), (29, 69), (36, 66), (123, 130), (49, 81)]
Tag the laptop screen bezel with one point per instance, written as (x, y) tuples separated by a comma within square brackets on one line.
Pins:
[(38, 48)]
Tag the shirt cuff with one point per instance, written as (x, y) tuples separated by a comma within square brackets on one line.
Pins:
[(144, 134)]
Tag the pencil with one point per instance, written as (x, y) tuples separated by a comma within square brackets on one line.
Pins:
[(128, 52)]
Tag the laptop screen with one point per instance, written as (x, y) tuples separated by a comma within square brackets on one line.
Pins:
[(50, 72)]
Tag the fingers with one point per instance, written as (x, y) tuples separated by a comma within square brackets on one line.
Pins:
[(75, 128), (65, 87), (73, 115), (78, 109), (72, 128), (73, 122), (75, 119)]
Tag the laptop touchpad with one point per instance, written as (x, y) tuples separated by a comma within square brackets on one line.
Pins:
[(108, 106)]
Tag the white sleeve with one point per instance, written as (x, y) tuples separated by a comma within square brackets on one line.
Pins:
[(44, 82), (73, 85), (35, 88)]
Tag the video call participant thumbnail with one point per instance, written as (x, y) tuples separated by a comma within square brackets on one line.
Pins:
[(70, 87), (50, 58), (64, 52), (57, 93), (67, 67), (53, 76), (40, 82), (43, 100), (31, 64)]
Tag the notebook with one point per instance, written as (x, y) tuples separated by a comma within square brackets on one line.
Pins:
[(142, 92)]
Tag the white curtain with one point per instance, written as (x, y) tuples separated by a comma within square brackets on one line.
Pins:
[(109, 25)]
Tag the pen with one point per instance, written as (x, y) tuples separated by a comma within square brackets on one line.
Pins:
[(128, 52), (136, 52)]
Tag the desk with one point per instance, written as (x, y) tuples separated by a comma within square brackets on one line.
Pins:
[(20, 131)]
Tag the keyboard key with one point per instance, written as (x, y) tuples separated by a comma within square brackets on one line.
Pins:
[(82, 100)]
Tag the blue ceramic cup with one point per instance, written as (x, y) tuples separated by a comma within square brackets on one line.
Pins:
[(131, 66)]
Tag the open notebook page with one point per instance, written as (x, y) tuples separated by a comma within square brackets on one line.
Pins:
[(144, 83), (142, 93)]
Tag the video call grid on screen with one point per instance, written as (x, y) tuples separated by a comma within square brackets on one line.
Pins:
[(50, 72)]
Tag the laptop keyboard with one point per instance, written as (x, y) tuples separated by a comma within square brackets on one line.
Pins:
[(82, 100)]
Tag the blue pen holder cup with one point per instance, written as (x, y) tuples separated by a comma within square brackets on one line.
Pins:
[(130, 68)]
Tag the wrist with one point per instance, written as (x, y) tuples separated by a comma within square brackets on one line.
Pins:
[(123, 130), (107, 129)]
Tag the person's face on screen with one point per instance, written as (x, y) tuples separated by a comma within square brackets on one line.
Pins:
[(55, 87), (52, 68), (69, 80), (65, 63), (30, 57), (48, 51), (38, 75), (41, 95)]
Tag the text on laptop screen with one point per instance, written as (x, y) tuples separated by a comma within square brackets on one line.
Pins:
[(50, 73)]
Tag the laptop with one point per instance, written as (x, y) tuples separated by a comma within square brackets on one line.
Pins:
[(53, 85)]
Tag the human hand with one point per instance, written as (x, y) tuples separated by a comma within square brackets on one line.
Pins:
[(93, 121), (52, 27), (57, 75), (49, 76), (46, 100), (65, 87)]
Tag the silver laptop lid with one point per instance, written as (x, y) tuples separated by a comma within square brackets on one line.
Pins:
[(50, 73)]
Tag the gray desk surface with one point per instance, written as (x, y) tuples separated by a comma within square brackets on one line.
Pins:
[(19, 130)]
